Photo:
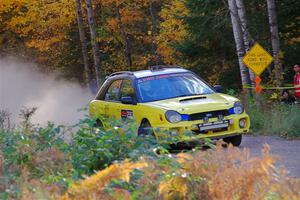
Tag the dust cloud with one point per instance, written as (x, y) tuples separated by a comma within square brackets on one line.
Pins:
[(21, 85)]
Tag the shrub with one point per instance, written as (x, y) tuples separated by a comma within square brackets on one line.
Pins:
[(37, 154), (282, 120), (94, 148), (213, 174), (44, 160)]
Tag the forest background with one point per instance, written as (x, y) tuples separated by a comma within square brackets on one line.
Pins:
[(85, 40)]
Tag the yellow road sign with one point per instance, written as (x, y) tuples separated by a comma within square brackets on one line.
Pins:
[(257, 59)]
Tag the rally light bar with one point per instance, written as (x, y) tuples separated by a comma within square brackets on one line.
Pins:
[(162, 67)]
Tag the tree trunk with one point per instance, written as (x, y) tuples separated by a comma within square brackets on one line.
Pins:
[(154, 31), (87, 68), (275, 40), (96, 52), (127, 50), (238, 37), (243, 22)]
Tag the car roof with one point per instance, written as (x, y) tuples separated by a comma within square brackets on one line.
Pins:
[(155, 71), (146, 73)]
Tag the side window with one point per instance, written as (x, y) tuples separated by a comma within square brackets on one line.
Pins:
[(127, 89), (113, 92)]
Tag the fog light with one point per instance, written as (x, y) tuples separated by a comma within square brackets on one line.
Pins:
[(242, 123)]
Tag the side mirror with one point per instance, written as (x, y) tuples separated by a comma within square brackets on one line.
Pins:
[(128, 100), (218, 88)]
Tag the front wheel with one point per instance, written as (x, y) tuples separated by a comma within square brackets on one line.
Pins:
[(234, 140)]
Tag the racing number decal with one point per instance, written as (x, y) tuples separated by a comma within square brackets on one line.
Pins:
[(126, 114)]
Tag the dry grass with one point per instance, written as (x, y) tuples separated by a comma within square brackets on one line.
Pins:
[(214, 174), (93, 187)]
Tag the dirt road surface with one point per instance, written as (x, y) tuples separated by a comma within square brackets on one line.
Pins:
[(287, 150)]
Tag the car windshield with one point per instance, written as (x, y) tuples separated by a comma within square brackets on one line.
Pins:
[(169, 86)]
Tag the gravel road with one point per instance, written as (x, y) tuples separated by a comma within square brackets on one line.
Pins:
[(287, 150)]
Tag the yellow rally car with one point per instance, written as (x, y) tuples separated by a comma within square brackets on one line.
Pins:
[(173, 99)]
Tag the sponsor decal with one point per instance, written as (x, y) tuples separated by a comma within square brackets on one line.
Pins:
[(126, 114)]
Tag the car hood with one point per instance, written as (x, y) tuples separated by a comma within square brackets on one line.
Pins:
[(195, 104)]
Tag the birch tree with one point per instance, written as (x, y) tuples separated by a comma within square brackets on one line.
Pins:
[(239, 42), (275, 40), (246, 37), (96, 52), (83, 40), (243, 22)]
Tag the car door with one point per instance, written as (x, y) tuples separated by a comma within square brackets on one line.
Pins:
[(128, 111), (112, 99)]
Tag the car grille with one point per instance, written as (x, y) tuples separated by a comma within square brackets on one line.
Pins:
[(211, 114)]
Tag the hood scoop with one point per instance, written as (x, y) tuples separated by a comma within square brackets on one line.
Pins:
[(192, 98)]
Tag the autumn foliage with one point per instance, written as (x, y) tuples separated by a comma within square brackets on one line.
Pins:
[(42, 23), (40, 163), (213, 174), (134, 34)]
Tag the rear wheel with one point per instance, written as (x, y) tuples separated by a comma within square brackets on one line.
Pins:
[(98, 124), (234, 140), (145, 128)]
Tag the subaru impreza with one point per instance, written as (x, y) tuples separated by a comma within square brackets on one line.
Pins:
[(172, 99)]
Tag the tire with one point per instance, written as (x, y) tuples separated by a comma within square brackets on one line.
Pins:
[(234, 140), (145, 128), (98, 124)]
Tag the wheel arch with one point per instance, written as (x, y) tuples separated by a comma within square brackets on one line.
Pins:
[(145, 120), (99, 122)]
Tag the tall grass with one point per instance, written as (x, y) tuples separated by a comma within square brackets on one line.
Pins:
[(278, 119), (271, 117)]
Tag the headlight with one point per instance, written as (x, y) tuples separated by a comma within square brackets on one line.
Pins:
[(173, 116), (238, 108)]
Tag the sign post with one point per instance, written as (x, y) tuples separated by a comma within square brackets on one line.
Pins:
[(257, 59)]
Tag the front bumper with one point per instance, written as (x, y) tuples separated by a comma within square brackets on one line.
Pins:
[(189, 131)]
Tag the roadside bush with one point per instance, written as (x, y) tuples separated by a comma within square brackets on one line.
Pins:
[(35, 155), (40, 162), (212, 174), (282, 120), (93, 148), (43, 162)]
